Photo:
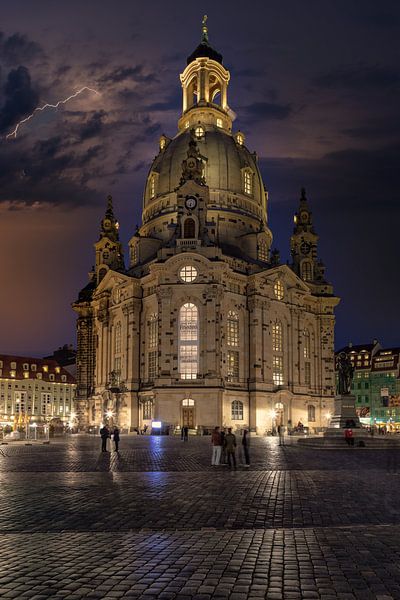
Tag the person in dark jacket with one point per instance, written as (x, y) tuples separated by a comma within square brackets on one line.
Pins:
[(185, 433), (105, 434), (245, 445), (116, 438), (230, 445)]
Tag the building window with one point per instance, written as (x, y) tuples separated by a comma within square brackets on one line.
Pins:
[(153, 331), (189, 229), (46, 404), (199, 132), (277, 337), (147, 409), (26, 374), (51, 377), (188, 341), (25, 367), (152, 186), (306, 271), (277, 370), (12, 374), (233, 365), (117, 338), (219, 123), (33, 367), (188, 273), (248, 183), (263, 251), (188, 402), (153, 364), (279, 290), (232, 329), (237, 410), (307, 344), (311, 413), (307, 373)]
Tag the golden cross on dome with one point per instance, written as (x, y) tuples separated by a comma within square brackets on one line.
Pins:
[(204, 29)]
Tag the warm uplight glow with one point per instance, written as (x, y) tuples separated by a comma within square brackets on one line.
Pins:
[(273, 414), (328, 416), (109, 414)]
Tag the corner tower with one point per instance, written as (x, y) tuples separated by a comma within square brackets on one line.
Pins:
[(304, 250)]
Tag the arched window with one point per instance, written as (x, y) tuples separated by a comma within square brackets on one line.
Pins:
[(237, 410), (152, 346), (188, 402), (311, 413), (307, 344), (152, 186), (263, 251), (248, 182), (215, 88), (306, 271), (188, 341), (277, 357), (117, 339), (189, 229)]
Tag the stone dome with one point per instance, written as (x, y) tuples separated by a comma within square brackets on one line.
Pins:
[(225, 159)]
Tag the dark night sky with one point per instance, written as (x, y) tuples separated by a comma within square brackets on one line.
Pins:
[(315, 86)]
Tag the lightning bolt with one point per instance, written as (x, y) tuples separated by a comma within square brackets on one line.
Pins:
[(48, 105)]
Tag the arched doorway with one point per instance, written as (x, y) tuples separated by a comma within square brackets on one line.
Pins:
[(188, 413)]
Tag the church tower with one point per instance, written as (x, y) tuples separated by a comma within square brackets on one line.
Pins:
[(205, 326), (109, 252), (304, 249)]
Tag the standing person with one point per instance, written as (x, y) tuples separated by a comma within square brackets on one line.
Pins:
[(182, 432), (348, 436), (116, 438), (280, 434), (230, 444), (223, 448), (245, 445), (216, 447), (185, 433), (105, 434)]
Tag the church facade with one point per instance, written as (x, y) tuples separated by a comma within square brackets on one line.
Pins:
[(204, 326)]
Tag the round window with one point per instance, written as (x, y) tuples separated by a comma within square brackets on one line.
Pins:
[(279, 290), (188, 273)]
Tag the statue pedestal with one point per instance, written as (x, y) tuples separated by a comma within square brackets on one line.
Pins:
[(345, 416)]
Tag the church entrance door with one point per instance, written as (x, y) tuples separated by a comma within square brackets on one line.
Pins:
[(188, 417)]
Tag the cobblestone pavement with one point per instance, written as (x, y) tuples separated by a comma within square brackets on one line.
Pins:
[(158, 521)]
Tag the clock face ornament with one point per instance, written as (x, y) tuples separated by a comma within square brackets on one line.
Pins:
[(191, 202)]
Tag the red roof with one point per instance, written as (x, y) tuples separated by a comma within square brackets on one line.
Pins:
[(53, 368)]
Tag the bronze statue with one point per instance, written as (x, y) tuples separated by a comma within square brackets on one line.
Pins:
[(345, 374)]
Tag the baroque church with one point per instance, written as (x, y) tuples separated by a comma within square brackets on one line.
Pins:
[(204, 326)]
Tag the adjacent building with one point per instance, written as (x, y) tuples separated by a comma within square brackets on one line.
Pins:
[(376, 383), (202, 324), (34, 390)]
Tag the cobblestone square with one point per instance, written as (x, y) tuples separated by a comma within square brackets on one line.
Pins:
[(159, 521)]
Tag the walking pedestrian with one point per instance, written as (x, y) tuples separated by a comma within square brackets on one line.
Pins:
[(116, 439), (185, 433), (245, 445), (216, 446), (105, 435), (230, 444), (182, 433), (280, 434)]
